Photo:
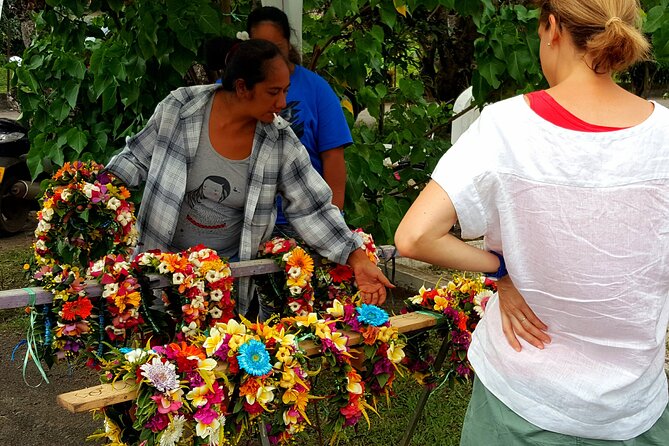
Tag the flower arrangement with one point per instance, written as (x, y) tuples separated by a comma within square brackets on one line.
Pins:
[(360, 375), (305, 286), (201, 284), (85, 215), (212, 388), (295, 292), (462, 301)]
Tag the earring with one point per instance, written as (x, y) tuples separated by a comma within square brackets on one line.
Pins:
[(548, 44)]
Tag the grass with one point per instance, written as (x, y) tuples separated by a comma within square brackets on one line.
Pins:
[(3, 80), (11, 277)]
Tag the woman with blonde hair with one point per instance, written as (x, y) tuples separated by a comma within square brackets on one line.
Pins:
[(570, 187)]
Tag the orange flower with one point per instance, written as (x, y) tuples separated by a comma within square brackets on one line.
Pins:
[(130, 299), (250, 387), (81, 307), (299, 258)]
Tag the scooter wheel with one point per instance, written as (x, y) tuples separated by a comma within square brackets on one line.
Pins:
[(13, 211)]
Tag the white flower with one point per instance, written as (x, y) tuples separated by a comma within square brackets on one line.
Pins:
[(40, 245), (286, 257), (136, 355), (113, 203), (198, 302), (411, 182), (42, 227), (98, 266), (243, 35), (294, 306), (211, 276), (190, 329), (162, 376), (110, 289), (178, 278), (120, 266), (172, 433), (163, 268), (294, 272), (16, 59), (216, 295), (124, 218), (216, 312), (388, 163), (47, 214), (89, 188), (295, 290), (66, 195)]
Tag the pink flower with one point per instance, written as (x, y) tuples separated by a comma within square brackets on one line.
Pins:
[(206, 415), (166, 404)]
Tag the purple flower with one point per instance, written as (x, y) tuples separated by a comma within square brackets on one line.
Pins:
[(383, 365)]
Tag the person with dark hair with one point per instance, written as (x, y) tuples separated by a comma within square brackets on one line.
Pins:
[(213, 161), (312, 107), (570, 187)]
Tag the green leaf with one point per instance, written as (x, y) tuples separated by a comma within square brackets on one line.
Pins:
[(108, 98), (77, 139), (59, 110), (208, 22), (71, 92), (654, 19), (490, 69)]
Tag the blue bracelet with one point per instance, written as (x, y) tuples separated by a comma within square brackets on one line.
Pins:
[(501, 271)]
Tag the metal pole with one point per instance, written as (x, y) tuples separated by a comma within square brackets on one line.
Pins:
[(438, 362)]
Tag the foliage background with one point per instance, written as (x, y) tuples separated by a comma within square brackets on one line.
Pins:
[(94, 72)]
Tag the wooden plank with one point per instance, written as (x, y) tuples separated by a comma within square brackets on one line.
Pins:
[(97, 396), (20, 297), (103, 395)]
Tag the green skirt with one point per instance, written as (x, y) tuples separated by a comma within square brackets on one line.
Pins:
[(489, 422)]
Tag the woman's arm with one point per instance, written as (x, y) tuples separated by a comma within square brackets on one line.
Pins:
[(423, 234), (334, 173)]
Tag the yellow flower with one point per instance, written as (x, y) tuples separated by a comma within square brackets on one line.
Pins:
[(440, 303), (233, 328), (307, 320), (288, 418), (213, 342), (339, 340), (284, 355), (237, 340), (385, 333), (297, 281), (287, 379), (353, 385), (198, 396), (337, 309), (323, 331), (395, 353), (265, 395)]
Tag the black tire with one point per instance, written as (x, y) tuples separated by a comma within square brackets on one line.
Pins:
[(13, 211)]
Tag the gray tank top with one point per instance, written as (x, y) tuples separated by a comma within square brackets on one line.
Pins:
[(213, 208)]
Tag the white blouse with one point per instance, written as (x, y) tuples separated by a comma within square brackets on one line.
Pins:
[(583, 222)]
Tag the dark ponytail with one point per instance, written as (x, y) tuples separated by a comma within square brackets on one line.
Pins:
[(240, 59)]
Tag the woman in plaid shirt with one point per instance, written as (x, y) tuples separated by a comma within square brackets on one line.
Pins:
[(212, 162)]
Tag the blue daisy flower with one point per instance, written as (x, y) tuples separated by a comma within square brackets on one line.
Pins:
[(371, 315), (253, 358)]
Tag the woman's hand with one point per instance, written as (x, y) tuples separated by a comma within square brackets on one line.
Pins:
[(371, 281), (518, 319)]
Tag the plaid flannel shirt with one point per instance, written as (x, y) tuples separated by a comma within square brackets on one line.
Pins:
[(159, 156)]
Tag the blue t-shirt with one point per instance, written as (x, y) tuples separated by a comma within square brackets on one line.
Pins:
[(315, 115)]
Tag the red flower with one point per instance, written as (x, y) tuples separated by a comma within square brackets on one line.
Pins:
[(81, 307), (341, 273)]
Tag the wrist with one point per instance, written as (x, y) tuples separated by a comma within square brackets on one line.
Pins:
[(501, 271)]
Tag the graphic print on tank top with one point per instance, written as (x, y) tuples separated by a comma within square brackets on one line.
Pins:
[(213, 188)]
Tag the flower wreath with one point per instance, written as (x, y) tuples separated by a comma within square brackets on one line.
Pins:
[(199, 295), (462, 301), (303, 286), (85, 215), (360, 375)]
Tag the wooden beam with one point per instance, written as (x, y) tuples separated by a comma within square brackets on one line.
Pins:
[(103, 395), (19, 298)]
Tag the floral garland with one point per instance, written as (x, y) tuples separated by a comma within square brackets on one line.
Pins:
[(212, 388), (199, 295), (85, 215), (360, 375), (462, 301), (306, 287)]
